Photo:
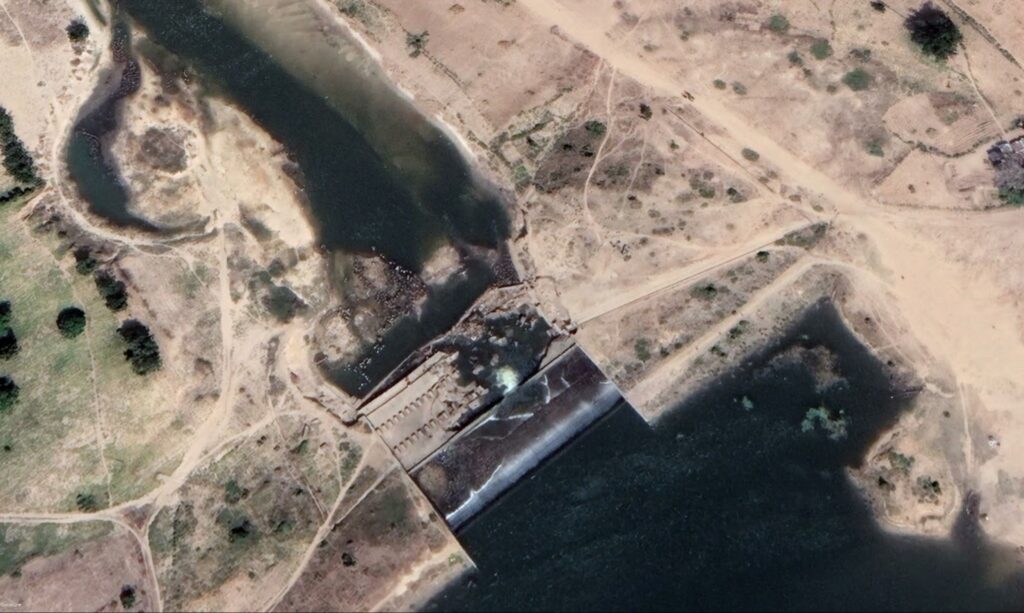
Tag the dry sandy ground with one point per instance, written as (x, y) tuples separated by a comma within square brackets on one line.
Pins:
[(651, 203)]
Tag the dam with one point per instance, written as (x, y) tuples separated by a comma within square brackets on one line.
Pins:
[(515, 436)]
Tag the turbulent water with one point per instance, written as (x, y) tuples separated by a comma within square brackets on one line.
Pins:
[(721, 507)]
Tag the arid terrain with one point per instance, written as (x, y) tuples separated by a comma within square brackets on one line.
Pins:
[(683, 180)]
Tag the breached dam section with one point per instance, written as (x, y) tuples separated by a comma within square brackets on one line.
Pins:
[(515, 436)]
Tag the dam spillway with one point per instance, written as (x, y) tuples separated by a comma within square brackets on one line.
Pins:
[(501, 446)]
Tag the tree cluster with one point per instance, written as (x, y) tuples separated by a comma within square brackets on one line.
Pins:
[(932, 29), (112, 290), (17, 160), (143, 353)]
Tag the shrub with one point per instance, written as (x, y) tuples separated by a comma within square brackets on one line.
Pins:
[(77, 31), (720, 84), (778, 24), (858, 79), (87, 503), (127, 597), (794, 58), (5, 314), (8, 393), (645, 111), (642, 348), (751, 155), (71, 322), (878, 5), (142, 351), (861, 54), (933, 31), (111, 290), (821, 49), (595, 128), (739, 88), (283, 303), (1012, 196), (874, 147)]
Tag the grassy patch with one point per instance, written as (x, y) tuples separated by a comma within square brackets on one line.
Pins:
[(20, 543)]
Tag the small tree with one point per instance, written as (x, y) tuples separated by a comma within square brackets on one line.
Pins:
[(778, 23), (85, 264), (934, 31), (77, 31), (71, 322), (8, 344), (416, 42), (8, 393), (821, 49), (127, 597)]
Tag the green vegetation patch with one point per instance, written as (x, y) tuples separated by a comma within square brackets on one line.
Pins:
[(858, 79), (750, 155), (874, 147), (595, 128), (821, 49), (778, 23)]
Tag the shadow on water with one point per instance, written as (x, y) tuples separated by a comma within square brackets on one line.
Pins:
[(724, 507)]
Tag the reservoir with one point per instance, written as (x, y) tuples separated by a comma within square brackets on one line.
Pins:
[(723, 508)]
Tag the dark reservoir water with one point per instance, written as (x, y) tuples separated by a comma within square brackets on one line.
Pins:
[(720, 507)]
